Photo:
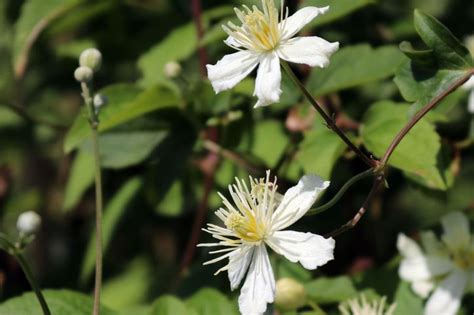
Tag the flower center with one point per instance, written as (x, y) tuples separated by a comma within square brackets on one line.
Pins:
[(246, 227), (464, 259), (260, 31)]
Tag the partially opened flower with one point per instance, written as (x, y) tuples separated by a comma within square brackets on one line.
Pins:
[(254, 219), (445, 266), (263, 39)]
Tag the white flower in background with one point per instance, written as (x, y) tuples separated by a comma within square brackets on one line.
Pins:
[(469, 85), (254, 219), (361, 306), (28, 223), (263, 39), (445, 266)]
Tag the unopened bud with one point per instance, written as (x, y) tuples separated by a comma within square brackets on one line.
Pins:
[(172, 69), (83, 74), (290, 294), (91, 58), (28, 223), (470, 44), (100, 101)]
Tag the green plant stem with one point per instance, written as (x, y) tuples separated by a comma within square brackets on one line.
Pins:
[(94, 124), (29, 275), (341, 192), (329, 121)]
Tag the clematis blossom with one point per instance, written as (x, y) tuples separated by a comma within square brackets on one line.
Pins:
[(445, 267), (254, 219), (262, 40)]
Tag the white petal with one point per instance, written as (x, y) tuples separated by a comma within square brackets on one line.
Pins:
[(407, 247), (456, 231), (470, 104), (230, 41), (297, 21), (313, 51), (447, 297), (238, 264), (231, 69), (422, 288), (424, 268), (267, 84), (309, 249), (297, 201), (469, 84), (259, 287)]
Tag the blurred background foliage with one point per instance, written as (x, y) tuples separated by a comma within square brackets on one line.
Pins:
[(169, 143)]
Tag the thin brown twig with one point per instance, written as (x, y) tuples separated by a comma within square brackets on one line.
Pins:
[(20, 111), (202, 52)]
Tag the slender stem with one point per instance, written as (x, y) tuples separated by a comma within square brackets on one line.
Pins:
[(31, 279), (340, 193), (202, 52), (329, 121), (415, 119), (94, 124), (353, 222)]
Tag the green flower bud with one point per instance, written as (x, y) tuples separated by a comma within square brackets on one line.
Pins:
[(172, 69), (91, 58), (83, 74), (290, 295)]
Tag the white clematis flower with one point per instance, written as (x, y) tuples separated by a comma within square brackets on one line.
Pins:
[(254, 220), (263, 39), (469, 86), (445, 266)]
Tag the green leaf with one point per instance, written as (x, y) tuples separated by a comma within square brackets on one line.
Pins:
[(35, 16), (337, 9), (80, 179), (330, 290), (427, 74), (130, 287), (170, 305), (210, 302), (112, 214), (319, 152), (125, 149), (407, 302), (449, 50), (59, 302), (125, 102), (353, 66), (416, 154), (267, 141), (152, 63)]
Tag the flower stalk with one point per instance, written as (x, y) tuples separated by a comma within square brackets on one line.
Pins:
[(329, 121)]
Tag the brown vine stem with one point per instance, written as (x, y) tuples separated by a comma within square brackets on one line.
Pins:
[(396, 141), (202, 52), (329, 121), (425, 110)]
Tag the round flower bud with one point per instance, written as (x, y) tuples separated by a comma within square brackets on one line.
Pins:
[(83, 74), (28, 223), (172, 69), (100, 101), (91, 58), (290, 294)]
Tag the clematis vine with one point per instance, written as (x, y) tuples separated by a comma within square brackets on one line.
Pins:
[(445, 267), (255, 218), (263, 38)]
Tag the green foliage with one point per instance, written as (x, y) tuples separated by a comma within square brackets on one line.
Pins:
[(80, 179), (209, 302), (353, 66), (170, 305), (114, 210), (417, 154), (407, 301), (59, 302), (330, 290)]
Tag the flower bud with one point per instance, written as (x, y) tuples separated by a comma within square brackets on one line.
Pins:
[(28, 223), (290, 294), (172, 69), (91, 58), (470, 44), (100, 101), (83, 74)]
